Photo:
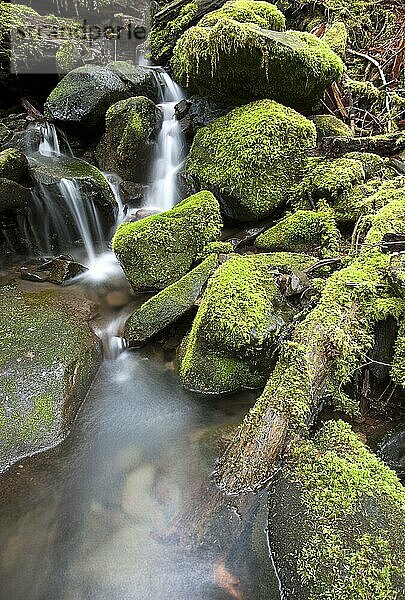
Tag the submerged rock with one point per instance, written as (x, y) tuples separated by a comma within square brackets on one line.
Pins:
[(242, 53), (168, 305), (84, 95), (48, 359), (158, 250), (132, 126), (251, 158), (335, 520), (234, 338)]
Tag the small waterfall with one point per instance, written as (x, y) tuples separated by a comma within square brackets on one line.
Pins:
[(169, 152), (49, 142), (114, 182), (60, 216)]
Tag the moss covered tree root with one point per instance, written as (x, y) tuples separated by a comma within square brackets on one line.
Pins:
[(326, 350)]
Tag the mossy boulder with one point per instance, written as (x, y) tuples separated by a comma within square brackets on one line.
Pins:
[(132, 126), (82, 98), (48, 359), (335, 520), (160, 249), (241, 52), (170, 304), (303, 231), (251, 158), (329, 125), (164, 35), (13, 165), (235, 334)]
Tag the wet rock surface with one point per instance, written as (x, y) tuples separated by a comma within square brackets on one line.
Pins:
[(48, 359), (84, 95)]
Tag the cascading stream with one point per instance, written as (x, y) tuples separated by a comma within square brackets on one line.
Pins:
[(169, 152)]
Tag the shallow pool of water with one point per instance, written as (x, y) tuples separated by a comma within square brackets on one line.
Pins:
[(94, 517)]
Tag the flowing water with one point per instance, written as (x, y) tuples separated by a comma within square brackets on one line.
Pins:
[(169, 152), (97, 518), (83, 522)]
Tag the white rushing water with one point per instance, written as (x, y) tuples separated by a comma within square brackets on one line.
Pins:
[(49, 141), (169, 152)]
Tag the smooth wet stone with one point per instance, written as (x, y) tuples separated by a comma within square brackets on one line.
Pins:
[(48, 359), (83, 96), (391, 450)]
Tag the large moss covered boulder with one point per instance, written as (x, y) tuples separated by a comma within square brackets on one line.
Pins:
[(336, 516), (234, 338), (251, 158), (170, 304), (82, 98), (158, 250), (132, 126), (48, 359), (241, 52)]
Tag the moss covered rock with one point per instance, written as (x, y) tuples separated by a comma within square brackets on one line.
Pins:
[(48, 358), (13, 165), (303, 231), (160, 249), (82, 98), (234, 338), (251, 158), (163, 36), (291, 67), (131, 129), (328, 125), (335, 521), (168, 305)]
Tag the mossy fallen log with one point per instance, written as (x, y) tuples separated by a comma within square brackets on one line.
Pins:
[(326, 350), (384, 145)]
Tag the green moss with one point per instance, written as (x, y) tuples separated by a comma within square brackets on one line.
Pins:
[(46, 365), (329, 125), (398, 365), (289, 262), (291, 67), (168, 305), (368, 96), (235, 333), (131, 129), (342, 555), (68, 56), (303, 231), (158, 250), (215, 248), (13, 165), (251, 157), (329, 178), (336, 36), (163, 36)]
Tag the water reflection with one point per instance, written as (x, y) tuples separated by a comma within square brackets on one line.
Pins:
[(89, 519)]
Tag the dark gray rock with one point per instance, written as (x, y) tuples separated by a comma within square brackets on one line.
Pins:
[(84, 95)]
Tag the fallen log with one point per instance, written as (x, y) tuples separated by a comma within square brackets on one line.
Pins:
[(384, 145), (171, 10), (325, 351)]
